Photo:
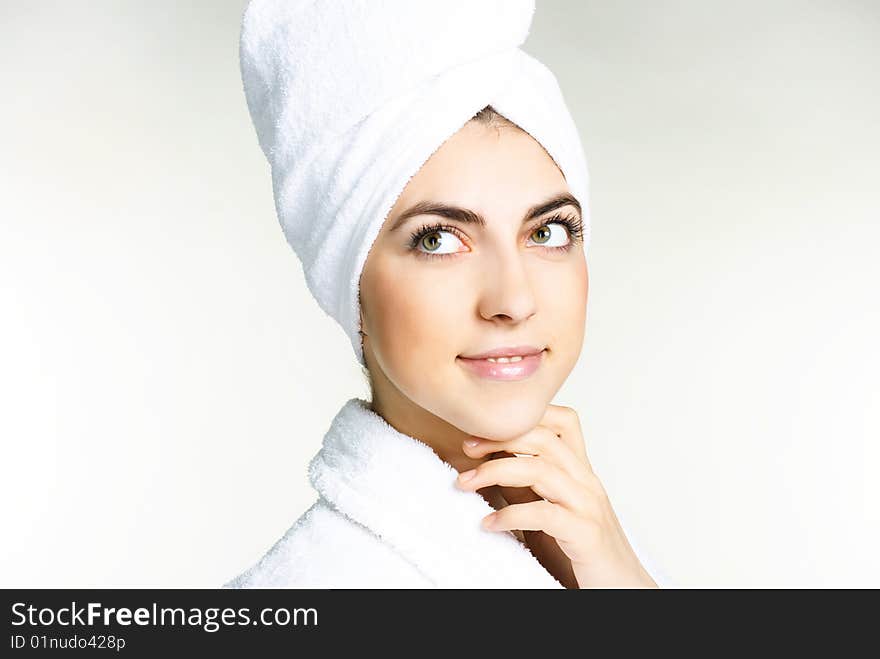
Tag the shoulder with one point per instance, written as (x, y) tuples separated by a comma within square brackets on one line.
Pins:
[(326, 549)]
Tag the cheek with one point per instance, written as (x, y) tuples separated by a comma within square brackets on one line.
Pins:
[(566, 309), (412, 321)]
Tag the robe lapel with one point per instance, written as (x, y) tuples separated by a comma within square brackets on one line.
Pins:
[(396, 486)]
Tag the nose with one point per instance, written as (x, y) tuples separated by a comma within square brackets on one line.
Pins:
[(507, 293)]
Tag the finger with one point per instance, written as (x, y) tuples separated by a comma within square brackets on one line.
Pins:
[(539, 441), (565, 422), (552, 519), (514, 494), (546, 479)]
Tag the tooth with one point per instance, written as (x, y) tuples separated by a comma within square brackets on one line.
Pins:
[(517, 358)]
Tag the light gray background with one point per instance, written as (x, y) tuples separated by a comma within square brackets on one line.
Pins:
[(165, 375)]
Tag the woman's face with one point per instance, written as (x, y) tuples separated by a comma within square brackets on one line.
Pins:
[(431, 298)]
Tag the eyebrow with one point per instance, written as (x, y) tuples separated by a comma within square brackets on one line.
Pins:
[(468, 216)]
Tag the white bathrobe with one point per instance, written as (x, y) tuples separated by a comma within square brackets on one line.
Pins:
[(389, 515)]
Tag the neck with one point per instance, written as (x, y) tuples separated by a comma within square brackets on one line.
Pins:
[(444, 439)]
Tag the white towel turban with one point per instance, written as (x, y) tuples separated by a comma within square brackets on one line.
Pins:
[(350, 98)]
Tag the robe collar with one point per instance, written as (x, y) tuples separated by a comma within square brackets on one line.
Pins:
[(404, 493)]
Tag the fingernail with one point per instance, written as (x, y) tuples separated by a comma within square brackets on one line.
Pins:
[(467, 475), (471, 442)]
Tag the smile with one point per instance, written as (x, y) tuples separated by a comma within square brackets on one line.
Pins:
[(513, 368)]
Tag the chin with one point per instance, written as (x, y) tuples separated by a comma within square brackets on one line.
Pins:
[(501, 417)]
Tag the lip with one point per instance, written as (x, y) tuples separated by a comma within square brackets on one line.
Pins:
[(508, 351), (511, 371)]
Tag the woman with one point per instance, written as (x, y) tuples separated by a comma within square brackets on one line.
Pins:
[(470, 293)]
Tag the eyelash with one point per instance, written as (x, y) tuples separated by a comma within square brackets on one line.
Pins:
[(573, 225)]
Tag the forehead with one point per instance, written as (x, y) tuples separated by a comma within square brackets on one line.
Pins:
[(487, 170)]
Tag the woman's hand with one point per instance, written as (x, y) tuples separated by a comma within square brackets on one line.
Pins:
[(560, 498)]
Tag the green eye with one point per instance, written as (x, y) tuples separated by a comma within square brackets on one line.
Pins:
[(544, 231), (436, 241), (552, 235), (431, 241)]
